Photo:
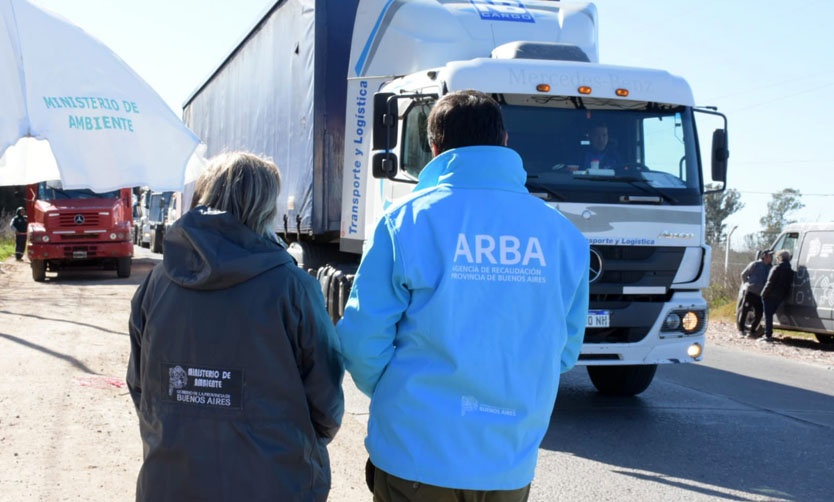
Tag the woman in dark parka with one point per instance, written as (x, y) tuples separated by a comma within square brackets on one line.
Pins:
[(234, 368)]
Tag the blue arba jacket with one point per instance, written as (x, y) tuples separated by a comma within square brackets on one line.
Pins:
[(471, 298)]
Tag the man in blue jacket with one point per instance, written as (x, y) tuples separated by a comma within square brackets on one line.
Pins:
[(470, 301)]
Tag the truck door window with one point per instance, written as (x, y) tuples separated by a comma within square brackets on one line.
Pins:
[(787, 241), (416, 152), (663, 145)]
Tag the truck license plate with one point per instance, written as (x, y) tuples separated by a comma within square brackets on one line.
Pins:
[(598, 319), (79, 255)]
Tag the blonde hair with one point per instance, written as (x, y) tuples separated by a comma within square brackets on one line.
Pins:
[(244, 185)]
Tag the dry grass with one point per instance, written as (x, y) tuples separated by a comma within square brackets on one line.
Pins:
[(6, 236)]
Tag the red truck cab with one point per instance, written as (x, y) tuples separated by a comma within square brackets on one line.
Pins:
[(78, 228)]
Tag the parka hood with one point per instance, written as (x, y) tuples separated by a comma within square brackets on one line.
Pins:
[(208, 250)]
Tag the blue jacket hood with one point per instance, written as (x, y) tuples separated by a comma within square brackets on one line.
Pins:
[(504, 169)]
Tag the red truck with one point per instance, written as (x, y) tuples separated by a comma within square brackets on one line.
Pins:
[(78, 228)]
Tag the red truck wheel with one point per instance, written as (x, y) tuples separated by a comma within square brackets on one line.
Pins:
[(122, 267), (38, 270)]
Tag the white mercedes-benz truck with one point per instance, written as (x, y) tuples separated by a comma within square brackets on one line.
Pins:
[(337, 92)]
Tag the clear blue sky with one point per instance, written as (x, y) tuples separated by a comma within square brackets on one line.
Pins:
[(766, 64)]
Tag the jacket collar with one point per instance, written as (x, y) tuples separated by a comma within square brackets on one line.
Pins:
[(475, 167)]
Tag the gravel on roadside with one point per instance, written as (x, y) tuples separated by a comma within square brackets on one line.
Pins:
[(785, 344)]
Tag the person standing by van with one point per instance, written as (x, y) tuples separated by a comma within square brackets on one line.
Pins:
[(753, 278), (776, 290)]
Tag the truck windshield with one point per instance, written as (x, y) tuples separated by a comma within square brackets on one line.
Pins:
[(606, 152), (588, 150), (53, 190), (159, 206)]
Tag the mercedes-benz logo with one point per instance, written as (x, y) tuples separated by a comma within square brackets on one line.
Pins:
[(79, 219), (596, 266)]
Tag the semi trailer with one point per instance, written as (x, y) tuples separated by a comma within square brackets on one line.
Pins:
[(337, 93)]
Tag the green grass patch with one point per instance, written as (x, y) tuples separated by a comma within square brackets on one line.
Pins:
[(6, 249), (725, 311)]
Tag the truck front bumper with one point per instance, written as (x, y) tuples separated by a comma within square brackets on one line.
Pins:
[(658, 346), (80, 251)]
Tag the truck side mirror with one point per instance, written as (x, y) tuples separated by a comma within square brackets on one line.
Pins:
[(386, 113), (720, 154), (384, 165)]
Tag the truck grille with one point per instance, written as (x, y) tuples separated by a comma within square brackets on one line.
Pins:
[(632, 315), (79, 219), (640, 266), (80, 237)]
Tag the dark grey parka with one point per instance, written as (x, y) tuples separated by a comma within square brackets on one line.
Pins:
[(779, 282), (234, 369)]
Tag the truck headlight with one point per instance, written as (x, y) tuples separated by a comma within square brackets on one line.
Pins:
[(686, 321), (113, 236), (690, 322), (672, 322)]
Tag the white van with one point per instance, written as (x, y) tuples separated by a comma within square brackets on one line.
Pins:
[(810, 306)]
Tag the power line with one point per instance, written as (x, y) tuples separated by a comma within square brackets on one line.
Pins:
[(801, 194), (747, 92), (779, 98), (760, 162)]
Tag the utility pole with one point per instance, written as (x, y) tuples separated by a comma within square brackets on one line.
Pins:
[(727, 253)]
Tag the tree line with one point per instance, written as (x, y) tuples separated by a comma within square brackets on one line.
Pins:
[(721, 205), (11, 197)]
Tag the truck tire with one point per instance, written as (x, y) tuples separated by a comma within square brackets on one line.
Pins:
[(123, 266), (156, 240), (38, 270), (345, 285), (622, 380)]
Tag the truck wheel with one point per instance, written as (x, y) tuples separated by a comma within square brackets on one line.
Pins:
[(38, 270), (824, 338), (123, 267), (622, 380), (336, 281), (156, 240)]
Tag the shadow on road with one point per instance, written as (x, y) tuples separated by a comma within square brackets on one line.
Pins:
[(58, 319), (804, 343), (702, 429), (73, 361), (96, 276)]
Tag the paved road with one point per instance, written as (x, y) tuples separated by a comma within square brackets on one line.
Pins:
[(739, 426)]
